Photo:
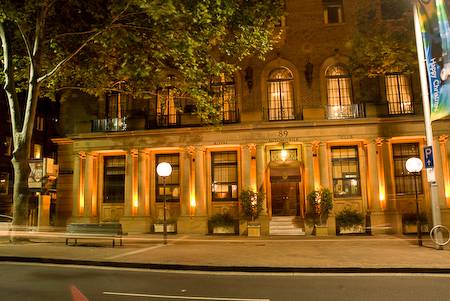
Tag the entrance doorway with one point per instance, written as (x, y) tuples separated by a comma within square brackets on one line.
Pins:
[(285, 191)]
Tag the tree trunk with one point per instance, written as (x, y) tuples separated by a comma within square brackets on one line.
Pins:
[(21, 192)]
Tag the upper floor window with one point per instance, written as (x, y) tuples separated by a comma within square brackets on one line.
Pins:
[(116, 105), (171, 189), (37, 151), (339, 86), (404, 181), (333, 11), (167, 107), (394, 10), (398, 93), (224, 173), (224, 94), (345, 171), (40, 123), (280, 94), (114, 179)]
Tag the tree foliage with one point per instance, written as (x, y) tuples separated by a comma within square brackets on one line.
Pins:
[(383, 43), (92, 45)]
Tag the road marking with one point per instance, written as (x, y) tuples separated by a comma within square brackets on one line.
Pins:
[(182, 297), (143, 250)]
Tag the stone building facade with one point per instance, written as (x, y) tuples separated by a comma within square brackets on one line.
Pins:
[(292, 123)]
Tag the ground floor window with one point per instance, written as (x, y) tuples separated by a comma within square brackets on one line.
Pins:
[(404, 181), (224, 172), (345, 170), (172, 187), (114, 179)]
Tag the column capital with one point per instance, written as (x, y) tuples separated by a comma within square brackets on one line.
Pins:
[(134, 153), (379, 141), (443, 139), (315, 147), (82, 155), (190, 150)]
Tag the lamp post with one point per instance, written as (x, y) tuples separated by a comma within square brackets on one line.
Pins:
[(164, 170), (414, 166)]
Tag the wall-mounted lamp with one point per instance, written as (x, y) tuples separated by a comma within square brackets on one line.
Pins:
[(309, 68), (283, 154)]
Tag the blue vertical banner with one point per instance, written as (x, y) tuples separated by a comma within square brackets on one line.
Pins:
[(435, 28)]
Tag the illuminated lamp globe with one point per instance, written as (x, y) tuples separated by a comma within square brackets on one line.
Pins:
[(414, 164), (164, 169)]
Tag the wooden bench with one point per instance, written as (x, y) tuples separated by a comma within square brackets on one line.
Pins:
[(77, 231)]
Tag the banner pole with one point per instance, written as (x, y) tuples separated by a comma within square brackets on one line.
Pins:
[(435, 209)]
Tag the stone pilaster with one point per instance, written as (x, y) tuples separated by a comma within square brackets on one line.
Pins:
[(261, 172)]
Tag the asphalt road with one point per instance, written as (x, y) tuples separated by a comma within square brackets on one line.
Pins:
[(51, 282)]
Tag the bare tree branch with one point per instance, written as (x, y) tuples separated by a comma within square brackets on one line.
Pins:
[(25, 40)]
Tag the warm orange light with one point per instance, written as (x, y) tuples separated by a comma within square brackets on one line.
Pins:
[(382, 197)]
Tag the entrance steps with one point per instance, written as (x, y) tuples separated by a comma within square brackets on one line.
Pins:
[(286, 225)]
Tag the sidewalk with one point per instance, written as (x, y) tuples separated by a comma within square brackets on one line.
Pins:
[(380, 253)]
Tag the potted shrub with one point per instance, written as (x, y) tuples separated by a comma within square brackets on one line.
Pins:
[(252, 204), (320, 203), (171, 224), (409, 222), (222, 223), (349, 221)]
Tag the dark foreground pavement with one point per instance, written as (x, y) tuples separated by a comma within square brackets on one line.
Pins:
[(380, 253)]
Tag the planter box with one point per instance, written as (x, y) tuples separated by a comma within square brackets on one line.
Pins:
[(159, 228), (321, 230), (223, 230), (351, 230), (412, 228), (254, 230)]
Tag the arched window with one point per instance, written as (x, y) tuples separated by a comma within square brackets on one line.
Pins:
[(398, 93), (224, 94), (280, 94), (339, 92)]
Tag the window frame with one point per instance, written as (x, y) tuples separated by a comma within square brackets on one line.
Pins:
[(397, 101), (404, 180), (230, 184), (329, 5), (114, 179), (337, 162), (281, 107), (159, 185), (226, 97)]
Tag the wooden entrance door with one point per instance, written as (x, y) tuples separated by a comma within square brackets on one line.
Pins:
[(285, 199)]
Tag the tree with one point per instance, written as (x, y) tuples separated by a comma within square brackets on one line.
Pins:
[(384, 40), (93, 44)]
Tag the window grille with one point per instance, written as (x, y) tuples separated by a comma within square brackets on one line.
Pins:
[(172, 187), (398, 93), (404, 181), (224, 95), (168, 107), (224, 176), (339, 87), (281, 95), (345, 170), (114, 179), (116, 105)]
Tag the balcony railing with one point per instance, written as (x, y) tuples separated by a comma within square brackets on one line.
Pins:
[(346, 111), (187, 119), (280, 114), (109, 125)]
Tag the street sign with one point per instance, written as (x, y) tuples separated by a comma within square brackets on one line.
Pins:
[(428, 156)]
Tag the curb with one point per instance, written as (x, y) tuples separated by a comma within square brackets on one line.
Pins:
[(214, 268)]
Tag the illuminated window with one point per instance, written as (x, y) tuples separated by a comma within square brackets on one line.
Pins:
[(114, 179), (4, 182), (224, 176), (404, 181), (37, 151), (398, 93), (172, 191), (333, 11), (280, 90), (39, 123), (224, 94), (116, 105), (345, 170), (168, 103), (339, 92), (7, 146)]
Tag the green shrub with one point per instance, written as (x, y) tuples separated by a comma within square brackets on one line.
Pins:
[(221, 220), (252, 203), (321, 203), (348, 218)]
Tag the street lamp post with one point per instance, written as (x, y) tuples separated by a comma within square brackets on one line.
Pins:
[(414, 166), (164, 170)]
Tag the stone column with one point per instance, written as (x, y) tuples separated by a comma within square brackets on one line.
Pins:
[(373, 180), (128, 202), (324, 163), (438, 169), (246, 166), (200, 185), (261, 172), (443, 142), (316, 164), (309, 168), (90, 185), (78, 184), (143, 184), (385, 175), (185, 184)]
